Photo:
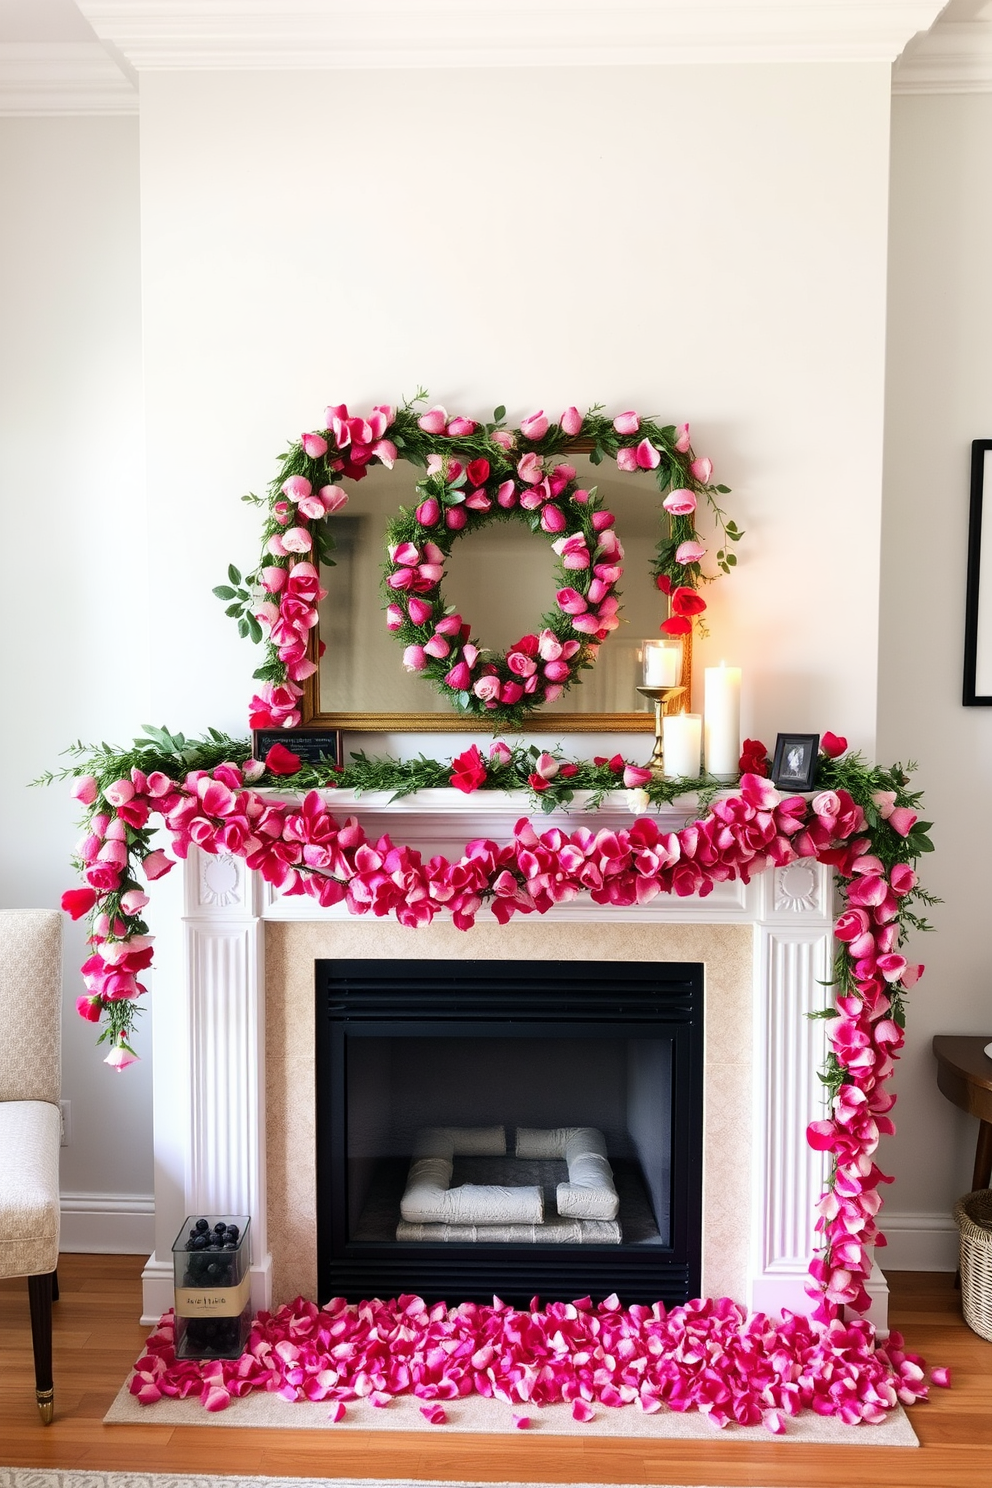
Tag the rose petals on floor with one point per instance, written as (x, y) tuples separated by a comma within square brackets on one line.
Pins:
[(706, 1355)]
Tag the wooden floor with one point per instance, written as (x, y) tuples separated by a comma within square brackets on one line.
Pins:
[(97, 1339)]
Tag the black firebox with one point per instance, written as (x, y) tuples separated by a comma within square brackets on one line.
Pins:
[(408, 1047)]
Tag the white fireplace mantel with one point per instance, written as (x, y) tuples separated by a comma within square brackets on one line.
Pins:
[(209, 1025)]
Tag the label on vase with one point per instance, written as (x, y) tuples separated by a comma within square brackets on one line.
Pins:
[(213, 1301)]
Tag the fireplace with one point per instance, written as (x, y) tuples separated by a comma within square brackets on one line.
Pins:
[(234, 1052), (493, 1060)]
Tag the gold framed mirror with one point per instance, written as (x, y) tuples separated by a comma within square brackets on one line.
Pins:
[(501, 581)]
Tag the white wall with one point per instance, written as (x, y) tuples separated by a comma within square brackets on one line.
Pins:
[(702, 243), (315, 238), (74, 661), (939, 399)]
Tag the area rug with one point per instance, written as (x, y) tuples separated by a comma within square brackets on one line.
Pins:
[(567, 1369), (30, 1477), (476, 1414)]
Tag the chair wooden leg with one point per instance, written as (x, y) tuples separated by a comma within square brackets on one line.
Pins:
[(40, 1290), (55, 1285)]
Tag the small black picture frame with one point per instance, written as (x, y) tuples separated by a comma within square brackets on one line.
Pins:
[(314, 746), (794, 765), (978, 592)]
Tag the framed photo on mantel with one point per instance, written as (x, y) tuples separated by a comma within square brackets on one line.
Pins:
[(978, 599)]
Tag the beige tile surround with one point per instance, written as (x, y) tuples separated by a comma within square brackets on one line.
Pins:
[(727, 954)]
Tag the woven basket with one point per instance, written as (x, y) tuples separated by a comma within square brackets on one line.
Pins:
[(973, 1217)]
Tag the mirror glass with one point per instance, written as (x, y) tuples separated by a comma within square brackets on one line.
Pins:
[(501, 579)]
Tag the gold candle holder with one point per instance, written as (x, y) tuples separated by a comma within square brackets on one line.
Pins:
[(660, 696)]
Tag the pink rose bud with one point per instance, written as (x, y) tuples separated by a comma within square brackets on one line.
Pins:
[(460, 428), (627, 459), (702, 469), (315, 445), (530, 469), (434, 420), (689, 552), (428, 512), (296, 540), (487, 688), (437, 647), (500, 753), (627, 423), (556, 671), (470, 654), (506, 495), (635, 775), (535, 426), (581, 497), (405, 554), (553, 519), (511, 692), (296, 487), (419, 610), (253, 769), (571, 601), (384, 450), (275, 546), (332, 498), (598, 591), (455, 518), (449, 626), (682, 439), (414, 658), (520, 665), (132, 901), (84, 788), (586, 624), (394, 617), (273, 578), (503, 438), (119, 793), (157, 864), (552, 692), (549, 647), (601, 520), (119, 1058), (571, 421), (680, 502), (648, 457), (547, 766), (459, 679)]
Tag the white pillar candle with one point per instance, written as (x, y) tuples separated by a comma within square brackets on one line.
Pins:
[(722, 708), (662, 663), (682, 737)]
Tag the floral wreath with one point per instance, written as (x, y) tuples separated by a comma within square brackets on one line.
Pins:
[(475, 474)]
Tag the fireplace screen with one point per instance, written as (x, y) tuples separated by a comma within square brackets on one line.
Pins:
[(509, 1127)]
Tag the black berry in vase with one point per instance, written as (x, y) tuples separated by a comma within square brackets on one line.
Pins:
[(220, 1227), (233, 1232), (201, 1225)]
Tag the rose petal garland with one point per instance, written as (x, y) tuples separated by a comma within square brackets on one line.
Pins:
[(710, 1356), (301, 848), (476, 473)]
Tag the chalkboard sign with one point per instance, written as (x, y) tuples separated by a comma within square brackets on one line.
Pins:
[(314, 746)]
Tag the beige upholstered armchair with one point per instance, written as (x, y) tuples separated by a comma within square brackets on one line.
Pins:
[(30, 1129)]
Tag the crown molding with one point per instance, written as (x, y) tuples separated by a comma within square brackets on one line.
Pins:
[(955, 57), (62, 78), (231, 35)]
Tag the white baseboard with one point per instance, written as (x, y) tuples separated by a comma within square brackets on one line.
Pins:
[(918, 1242), (107, 1224)]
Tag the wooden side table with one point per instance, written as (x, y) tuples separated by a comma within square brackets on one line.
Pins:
[(964, 1075)]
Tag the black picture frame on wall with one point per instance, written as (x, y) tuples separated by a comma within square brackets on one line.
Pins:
[(978, 593)]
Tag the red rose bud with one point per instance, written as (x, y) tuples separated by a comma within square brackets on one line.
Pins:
[(282, 761), (833, 745), (78, 902)]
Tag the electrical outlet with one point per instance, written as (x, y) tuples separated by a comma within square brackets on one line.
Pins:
[(65, 1108)]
